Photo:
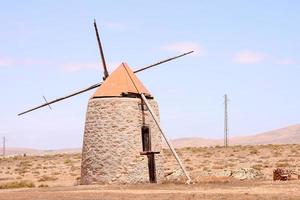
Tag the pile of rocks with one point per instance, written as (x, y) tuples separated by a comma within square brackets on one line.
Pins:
[(240, 174), (246, 173), (280, 174)]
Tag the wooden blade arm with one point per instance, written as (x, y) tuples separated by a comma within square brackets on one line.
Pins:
[(62, 98), (105, 75), (163, 61), (101, 51)]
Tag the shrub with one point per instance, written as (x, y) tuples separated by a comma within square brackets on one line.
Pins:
[(196, 149), (264, 157), (254, 151), (43, 185), (68, 161), (77, 156), (294, 150), (207, 155), (277, 154), (232, 160), (282, 164), (257, 167), (47, 178), (217, 167), (230, 165), (17, 184), (283, 160), (236, 150), (23, 167), (206, 169)]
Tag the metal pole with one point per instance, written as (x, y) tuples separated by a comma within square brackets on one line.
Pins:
[(3, 153), (166, 139), (225, 122)]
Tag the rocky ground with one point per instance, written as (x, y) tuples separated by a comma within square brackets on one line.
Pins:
[(215, 166), (240, 162)]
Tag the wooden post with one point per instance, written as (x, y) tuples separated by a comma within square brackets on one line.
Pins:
[(166, 139)]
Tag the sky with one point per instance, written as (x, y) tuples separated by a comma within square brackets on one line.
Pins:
[(246, 49)]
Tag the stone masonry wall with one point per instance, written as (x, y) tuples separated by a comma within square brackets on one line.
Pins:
[(112, 142)]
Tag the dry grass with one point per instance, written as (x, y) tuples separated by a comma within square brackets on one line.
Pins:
[(43, 185), (201, 163), (51, 170), (213, 161), (47, 178)]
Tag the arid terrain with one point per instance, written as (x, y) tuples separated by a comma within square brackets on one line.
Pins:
[(285, 135), (237, 172), (246, 190)]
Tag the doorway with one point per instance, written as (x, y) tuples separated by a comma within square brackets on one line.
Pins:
[(146, 141)]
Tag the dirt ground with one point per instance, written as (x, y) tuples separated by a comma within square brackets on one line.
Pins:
[(244, 190), (237, 172)]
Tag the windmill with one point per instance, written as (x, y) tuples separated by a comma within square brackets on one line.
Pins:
[(122, 137)]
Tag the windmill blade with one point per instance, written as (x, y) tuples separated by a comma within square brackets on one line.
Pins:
[(101, 51), (62, 98), (98, 84), (47, 102), (163, 61)]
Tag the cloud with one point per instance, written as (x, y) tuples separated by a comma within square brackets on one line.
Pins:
[(11, 62), (6, 62), (111, 25), (286, 61), (65, 66), (183, 47), (114, 25), (249, 57), (79, 66)]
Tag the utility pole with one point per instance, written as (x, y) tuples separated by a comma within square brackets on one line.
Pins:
[(225, 121), (3, 150)]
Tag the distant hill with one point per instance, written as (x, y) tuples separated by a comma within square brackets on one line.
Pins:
[(29, 151), (195, 142), (287, 135), (20, 151)]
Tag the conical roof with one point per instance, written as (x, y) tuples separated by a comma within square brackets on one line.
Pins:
[(121, 81)]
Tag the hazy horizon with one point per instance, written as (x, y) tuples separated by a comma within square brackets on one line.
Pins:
[(179, 138)]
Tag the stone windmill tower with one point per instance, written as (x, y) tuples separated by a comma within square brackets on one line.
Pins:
[(122, 138), (118, 129)]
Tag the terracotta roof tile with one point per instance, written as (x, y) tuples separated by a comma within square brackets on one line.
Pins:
[(122, 80)]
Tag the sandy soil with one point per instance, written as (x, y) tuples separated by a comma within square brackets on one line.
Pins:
[(235, 190)]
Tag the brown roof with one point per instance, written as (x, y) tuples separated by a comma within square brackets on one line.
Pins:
[(122, 80)]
